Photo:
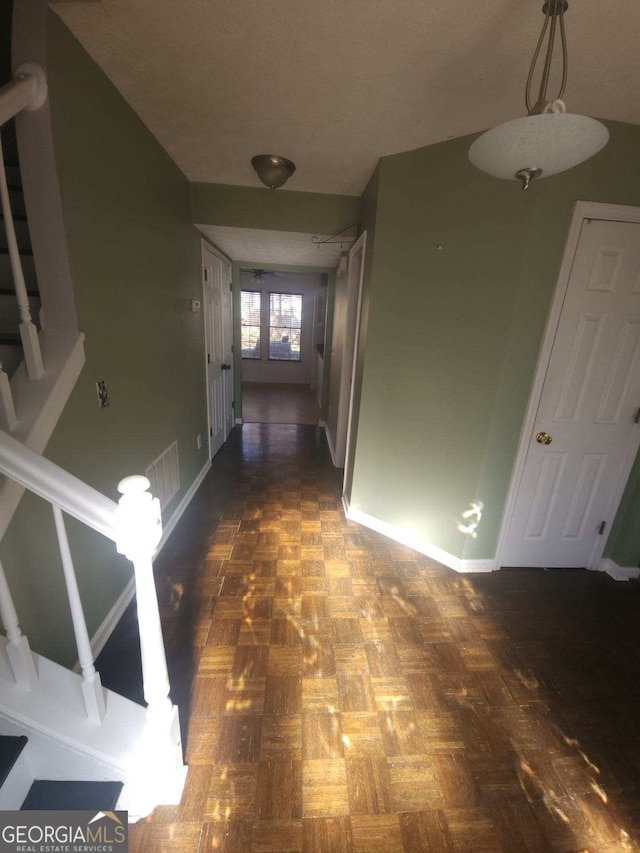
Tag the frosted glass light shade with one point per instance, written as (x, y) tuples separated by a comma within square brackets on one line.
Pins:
[(552, 142)]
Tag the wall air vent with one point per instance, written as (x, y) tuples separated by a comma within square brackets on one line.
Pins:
[(164, 475)]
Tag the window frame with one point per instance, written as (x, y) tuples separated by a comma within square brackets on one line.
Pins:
[(269, 294), (257, 357)]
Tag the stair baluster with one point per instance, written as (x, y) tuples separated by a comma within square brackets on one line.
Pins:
[(28, 331), (8, 419), (20, 656), (91, 684)]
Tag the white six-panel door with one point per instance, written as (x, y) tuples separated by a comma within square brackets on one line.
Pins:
[(218, 329), (588, 407)]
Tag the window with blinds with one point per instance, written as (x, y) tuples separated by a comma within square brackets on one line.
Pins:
[(250, 323), (285, 325)]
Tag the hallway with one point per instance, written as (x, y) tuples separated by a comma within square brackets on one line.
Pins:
[(279, 403), (342, 694)]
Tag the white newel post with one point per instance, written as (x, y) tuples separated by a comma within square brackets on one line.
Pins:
[(18, 650), (160, 770), (91, 685)]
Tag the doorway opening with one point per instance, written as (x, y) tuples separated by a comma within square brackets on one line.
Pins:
[(282, 327)]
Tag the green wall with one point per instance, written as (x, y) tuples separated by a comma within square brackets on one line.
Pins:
[(285, 210), (135, 261), (623, 545), (464, 268)]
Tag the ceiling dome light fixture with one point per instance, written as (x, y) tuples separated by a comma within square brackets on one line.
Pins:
[(548, 140), (272, 170)]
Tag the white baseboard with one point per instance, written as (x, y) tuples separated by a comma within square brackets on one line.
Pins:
[(405, 537), (332, 452), (108, 624), (239, 421), (618, 573)]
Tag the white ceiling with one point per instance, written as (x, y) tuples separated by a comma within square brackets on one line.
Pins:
[(275, 247), (335, 84)]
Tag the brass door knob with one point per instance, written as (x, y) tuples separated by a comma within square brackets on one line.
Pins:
[(543, 438)]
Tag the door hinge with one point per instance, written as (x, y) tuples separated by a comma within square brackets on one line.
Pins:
[(205, 273), (636, 420), (602, 527), (232, 352), (233, 404), (208, 358), (211, 431)]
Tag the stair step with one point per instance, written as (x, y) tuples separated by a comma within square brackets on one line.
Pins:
[(10, 749), (11, 359), (21, 230), (7, 339), (10, 291), (28, 268), (27, 252), (72, 796)]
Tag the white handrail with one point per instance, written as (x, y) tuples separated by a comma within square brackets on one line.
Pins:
[(54, 484), (27, 91)]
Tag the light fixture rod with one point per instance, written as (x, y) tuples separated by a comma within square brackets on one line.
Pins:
[(565, 57), (553, 9), (534, 62), (544, 81)]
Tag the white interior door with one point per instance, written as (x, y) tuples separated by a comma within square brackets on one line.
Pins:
[(585, 434), (227, 345), (218, 326)]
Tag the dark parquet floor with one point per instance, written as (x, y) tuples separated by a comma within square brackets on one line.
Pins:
[(342, 694)]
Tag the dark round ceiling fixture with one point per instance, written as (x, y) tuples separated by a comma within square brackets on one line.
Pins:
[(272, 170)]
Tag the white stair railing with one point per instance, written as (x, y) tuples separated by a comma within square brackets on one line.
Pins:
[(27, 91), (91, 685), (20, 657), (134, 525)]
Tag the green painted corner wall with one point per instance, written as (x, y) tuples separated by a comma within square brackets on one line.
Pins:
[(135, 261), (623, 545), (463, 272), (284, 210)]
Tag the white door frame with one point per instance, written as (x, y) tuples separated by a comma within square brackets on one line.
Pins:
[(207, 247), (583, 210), (352, 342)]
